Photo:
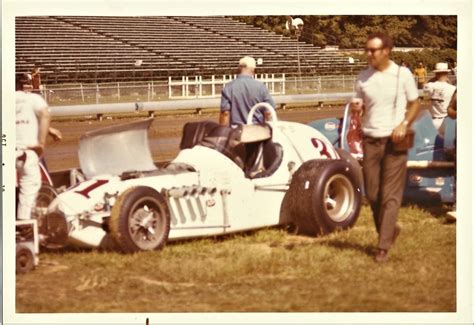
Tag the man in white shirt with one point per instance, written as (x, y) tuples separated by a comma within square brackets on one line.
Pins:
[(440, 92), (32, 125), (387, 96)]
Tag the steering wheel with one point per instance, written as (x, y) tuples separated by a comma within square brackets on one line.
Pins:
[(267, 106)]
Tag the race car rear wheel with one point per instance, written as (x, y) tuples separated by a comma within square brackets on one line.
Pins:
[(25, 260), (324, 196), (45, 196), (355, 165), (140, 220)]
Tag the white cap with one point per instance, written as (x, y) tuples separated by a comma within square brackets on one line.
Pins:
[(441, 67), (248, 61)]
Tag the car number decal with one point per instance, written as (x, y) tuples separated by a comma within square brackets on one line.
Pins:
[(92, 187), (322, 148)]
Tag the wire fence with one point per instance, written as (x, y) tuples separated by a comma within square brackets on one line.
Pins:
[(195, 87)]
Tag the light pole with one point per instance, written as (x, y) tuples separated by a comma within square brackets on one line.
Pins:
[(296, 25)]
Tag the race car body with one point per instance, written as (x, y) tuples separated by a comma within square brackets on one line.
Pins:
[(431, 161), (223, 180)]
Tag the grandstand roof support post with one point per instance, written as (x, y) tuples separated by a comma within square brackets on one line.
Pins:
[(118, 90), (149, 92), (97, 94), (152, 89)]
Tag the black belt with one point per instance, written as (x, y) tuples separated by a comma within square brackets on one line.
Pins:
[(437, 118)]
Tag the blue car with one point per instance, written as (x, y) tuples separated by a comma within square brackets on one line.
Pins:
[(431, 161)]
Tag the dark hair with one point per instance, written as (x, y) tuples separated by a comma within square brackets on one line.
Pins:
[(387, 41)]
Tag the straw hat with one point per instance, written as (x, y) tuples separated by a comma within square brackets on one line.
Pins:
[(441, 67)]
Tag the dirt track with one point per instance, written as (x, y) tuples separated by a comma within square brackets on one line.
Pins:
[(165, 133)]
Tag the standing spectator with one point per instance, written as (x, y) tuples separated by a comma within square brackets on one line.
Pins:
[(440, 92), (405, 65), (455, 72), (455, 68), (387, 95), (421, 75), (36, 80), (32, 125), (452, 113), (241, 94)]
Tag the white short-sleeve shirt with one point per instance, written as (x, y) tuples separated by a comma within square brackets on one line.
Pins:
[(385, 95), (440, 93), (28, 105)]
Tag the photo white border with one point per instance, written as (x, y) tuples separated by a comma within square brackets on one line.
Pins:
[(461, 8)]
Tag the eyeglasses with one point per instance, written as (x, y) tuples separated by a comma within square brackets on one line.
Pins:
[(372, 51)]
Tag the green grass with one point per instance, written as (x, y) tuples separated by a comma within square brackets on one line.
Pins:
[(266, 270)]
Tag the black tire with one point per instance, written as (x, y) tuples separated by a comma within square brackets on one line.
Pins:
[(324, 196), (355, 165), (130, 208), (25, 261), (46, 195)]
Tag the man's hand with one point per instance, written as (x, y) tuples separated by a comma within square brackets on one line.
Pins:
[(55, 134), (267, 115), (39, 149), (224, 118), (399, 133)]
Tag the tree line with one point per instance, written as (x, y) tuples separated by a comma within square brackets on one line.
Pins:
[(352, 31)]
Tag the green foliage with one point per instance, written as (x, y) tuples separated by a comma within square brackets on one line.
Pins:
[(427, 56), (352, 31)]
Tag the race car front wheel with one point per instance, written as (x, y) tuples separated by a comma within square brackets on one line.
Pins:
[(140, 220), (324, 196)]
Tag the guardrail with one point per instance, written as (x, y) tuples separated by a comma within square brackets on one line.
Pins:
[(184, 104), (188, 104)]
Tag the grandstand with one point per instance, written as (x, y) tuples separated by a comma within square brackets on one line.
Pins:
[(94, 49)]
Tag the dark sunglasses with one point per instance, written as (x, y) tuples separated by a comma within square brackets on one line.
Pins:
[(373, 50)]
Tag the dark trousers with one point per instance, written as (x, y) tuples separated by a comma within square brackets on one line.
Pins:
[(385, 173)]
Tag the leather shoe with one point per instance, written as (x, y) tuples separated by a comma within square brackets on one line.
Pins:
[(381, 256)]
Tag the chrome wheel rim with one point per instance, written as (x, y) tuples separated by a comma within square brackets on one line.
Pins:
[(145, 224), (339, 198)]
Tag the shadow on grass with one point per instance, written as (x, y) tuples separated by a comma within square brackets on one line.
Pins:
[(339, 244), (437, 210)]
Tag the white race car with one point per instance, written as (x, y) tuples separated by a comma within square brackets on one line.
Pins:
[(223, 180)]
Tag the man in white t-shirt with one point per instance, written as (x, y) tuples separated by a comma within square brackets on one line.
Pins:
[(32, 125), (387, 97), (440, 92)]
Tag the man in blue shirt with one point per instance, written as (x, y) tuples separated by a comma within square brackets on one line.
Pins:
[(241, 94)]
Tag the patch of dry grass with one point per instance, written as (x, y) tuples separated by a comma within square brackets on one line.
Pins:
[(267, 270)]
